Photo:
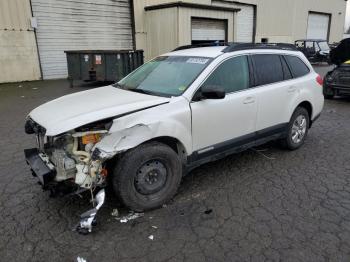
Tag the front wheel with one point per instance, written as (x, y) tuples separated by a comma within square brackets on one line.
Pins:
[(147, 176), (297, 130)]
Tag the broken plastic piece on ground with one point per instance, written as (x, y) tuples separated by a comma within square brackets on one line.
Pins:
[(115, 212), (80, 259), (208, 211), (88, 218), (130, 216), (151, 237)]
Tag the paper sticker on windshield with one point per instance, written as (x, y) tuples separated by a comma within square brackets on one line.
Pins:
[(182, 88), (197, 60)]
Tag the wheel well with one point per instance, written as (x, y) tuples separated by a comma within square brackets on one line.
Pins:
[(307, 105), (174, 144)]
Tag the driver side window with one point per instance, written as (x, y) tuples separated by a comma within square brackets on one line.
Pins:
[(232, 75)]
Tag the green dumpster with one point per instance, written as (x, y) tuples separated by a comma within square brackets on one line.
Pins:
[(102, 65)]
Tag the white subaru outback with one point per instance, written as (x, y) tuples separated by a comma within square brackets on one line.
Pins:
[(174, 113)]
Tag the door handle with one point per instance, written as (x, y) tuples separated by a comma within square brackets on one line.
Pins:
[(292, 89), (249, 100)]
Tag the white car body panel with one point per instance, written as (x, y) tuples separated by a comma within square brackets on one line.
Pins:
[(172, 119), (217, 121), (71, 111)]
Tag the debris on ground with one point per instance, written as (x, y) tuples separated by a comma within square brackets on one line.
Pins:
[(155, 227), (130, 216), (151, 237), (260, 152), (208, 211), (80, 259), (115, 213)]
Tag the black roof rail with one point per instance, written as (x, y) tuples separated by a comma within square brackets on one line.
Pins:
[(246, 46), (217, 43), (236, 46)]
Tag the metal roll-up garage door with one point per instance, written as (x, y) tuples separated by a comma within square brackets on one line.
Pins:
[(79, 25), (245, 24), (208, 30), (318, 26)]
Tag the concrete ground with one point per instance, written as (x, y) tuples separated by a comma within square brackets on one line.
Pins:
[(265, 205)]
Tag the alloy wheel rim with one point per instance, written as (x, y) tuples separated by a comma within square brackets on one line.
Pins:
[(299, 129)]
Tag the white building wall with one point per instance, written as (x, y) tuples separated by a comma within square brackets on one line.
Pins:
[(18, 52), (277, 20)]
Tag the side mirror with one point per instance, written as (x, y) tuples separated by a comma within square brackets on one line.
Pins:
[(212, 92)]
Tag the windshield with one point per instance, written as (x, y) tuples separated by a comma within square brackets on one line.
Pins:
[(165, 75), (323, 46)]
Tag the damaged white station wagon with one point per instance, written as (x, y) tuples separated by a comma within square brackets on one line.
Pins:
[(174, 113)]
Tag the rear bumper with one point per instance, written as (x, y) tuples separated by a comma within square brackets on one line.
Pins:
[(43, 170), (340, 89)]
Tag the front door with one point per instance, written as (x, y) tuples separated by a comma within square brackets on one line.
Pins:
[(218, 125)]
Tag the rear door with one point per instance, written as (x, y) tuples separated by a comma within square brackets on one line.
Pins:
[(274, 90)]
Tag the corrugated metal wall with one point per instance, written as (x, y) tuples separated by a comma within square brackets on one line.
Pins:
[(79, 25)]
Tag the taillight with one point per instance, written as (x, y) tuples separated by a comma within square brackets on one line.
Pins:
[(319, 80)]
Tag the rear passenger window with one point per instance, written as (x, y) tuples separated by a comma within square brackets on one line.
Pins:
[(286, 72), (297, 66), (268, 69)]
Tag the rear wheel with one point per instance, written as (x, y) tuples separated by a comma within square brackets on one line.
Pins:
[(147, 176), (297, 130)]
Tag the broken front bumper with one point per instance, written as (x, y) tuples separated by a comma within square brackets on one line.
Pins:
[(40, 166)]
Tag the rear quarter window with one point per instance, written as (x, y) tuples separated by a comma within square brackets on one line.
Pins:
[(297, 66)]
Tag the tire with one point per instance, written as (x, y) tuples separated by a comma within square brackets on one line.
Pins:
[(294, 141), (147, 176)]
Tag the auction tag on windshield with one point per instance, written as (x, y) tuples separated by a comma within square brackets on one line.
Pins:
[(197, 60)]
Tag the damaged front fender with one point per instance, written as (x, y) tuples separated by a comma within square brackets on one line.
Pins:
[(129, 132)]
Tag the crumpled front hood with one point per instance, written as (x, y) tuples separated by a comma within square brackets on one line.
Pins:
[(78, 109)]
